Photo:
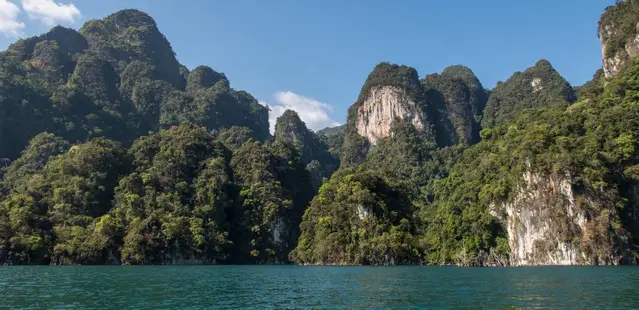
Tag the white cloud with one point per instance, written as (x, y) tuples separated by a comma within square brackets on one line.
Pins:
[(9, 23), (50, 12), (314, 113)]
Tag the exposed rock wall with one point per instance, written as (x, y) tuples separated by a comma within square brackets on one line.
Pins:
[(278, 231), (612, 64), (549, 224), (619, 35), (382, 106)]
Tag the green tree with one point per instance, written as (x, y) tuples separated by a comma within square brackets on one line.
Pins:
[(173, 206), (357, 219)]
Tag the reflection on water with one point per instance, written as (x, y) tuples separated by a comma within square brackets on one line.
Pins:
[(292, 287)]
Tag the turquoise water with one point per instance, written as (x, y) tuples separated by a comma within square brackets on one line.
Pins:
[(294, 287)]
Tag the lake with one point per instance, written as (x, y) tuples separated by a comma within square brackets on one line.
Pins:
[(294, 287)]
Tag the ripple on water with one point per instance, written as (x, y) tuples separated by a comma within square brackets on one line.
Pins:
[(294, 287)]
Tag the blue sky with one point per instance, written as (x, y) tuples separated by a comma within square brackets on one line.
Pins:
[(314, 56)]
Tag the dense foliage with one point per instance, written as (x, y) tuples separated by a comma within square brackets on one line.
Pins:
[(592, 88), (54, 212), (176, 196), (451, 104), (289, 129), (370, 214), (357, 219), (334, 139), (593, 142), (618, 24), (116, 78), (537, 87), (117, 154), (456, 100)]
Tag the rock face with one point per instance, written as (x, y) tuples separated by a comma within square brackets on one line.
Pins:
[(445, 108), (278, 229), (548, 224), (619, 36), (613, 63), (383, 105), (390, 92)]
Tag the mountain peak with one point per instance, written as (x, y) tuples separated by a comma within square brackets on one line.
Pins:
[(203, 77), (545, 64), (387, 74), (619, 35), (131, 18), (458, 71), (133, 35), (392, 74), (537, 87), (69, 40), (289, 126), (463, 73), (314, 153)]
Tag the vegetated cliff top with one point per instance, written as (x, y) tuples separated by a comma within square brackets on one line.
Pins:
[(592, 142), (330, 131), (592, 88), (69, 40), (355, 147), (117, 77), (450, 103), (463, 73), (290, 129), (537, 87), (455, 100), (385, 73), (132, 34), (452, 77), (618, 24), (203, 77)]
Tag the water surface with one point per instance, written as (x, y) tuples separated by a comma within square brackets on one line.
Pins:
[(294, 287)]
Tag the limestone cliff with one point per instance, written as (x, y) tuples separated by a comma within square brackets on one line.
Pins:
[(381, 107), (390, 92), (445, 108), (550, 223), (619, 35)]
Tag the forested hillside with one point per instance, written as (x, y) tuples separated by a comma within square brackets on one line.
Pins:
[(117, 78), (550, 181), (112, 152)]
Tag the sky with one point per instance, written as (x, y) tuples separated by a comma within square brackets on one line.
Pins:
[(313, 56)]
